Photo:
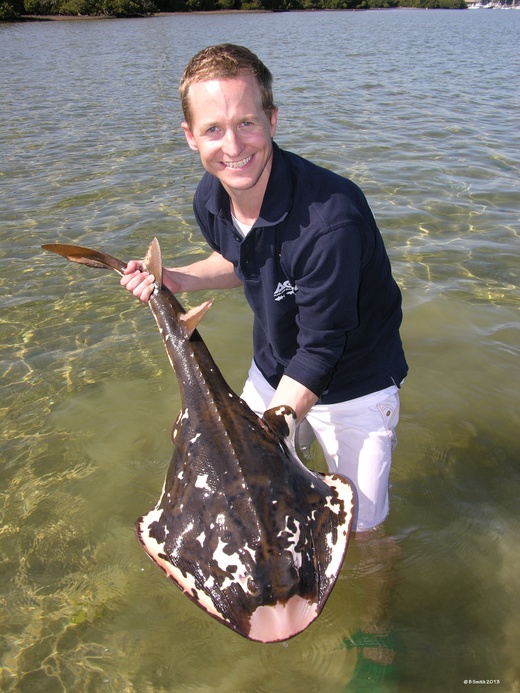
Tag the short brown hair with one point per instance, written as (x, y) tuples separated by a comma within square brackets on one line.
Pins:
[(225, 61)]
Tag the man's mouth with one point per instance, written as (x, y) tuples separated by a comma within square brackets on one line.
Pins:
[(237, 164)]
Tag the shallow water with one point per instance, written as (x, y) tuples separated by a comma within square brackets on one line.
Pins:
[(419, 108)]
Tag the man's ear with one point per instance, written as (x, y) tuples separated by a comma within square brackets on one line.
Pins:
[(273, 120), (189, 137)]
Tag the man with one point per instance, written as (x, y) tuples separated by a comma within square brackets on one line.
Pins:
[(304, 244)]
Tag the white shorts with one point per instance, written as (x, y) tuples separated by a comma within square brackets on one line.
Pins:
[(357, 438)]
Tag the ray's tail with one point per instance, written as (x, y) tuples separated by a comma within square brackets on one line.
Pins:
[(86, 256)]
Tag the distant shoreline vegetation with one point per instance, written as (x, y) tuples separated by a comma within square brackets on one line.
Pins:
[(16, 10)]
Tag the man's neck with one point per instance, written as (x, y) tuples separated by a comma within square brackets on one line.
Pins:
[(245, 210)]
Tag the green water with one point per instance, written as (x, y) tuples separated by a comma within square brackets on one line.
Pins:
[(420, 108)]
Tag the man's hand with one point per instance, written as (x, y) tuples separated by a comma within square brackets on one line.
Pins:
[(214, 272), (138, 282)]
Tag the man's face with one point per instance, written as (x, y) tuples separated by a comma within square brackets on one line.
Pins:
[(232, 133)]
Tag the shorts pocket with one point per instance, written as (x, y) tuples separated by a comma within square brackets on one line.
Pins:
[(389, 410)]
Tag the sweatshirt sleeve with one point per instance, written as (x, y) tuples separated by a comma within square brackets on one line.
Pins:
[(328, 281)]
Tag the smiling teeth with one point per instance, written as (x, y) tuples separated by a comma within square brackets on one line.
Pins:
[(237, 164)]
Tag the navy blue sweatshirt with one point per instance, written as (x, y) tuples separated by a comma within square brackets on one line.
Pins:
[(317, 276)]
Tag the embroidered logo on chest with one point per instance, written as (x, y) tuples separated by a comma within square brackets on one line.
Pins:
[(283, 290)]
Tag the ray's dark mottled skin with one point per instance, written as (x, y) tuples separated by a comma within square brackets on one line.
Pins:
[(242, 527)]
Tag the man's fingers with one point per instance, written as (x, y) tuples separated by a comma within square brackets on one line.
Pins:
[(140, 284), (133, 266)]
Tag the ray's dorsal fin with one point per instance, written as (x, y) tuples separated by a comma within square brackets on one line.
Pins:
[(152, 261), (192, 318)]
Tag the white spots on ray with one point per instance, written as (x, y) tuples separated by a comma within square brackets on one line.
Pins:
[(329, 540), (186, 581), (223, 560), (337, 550), (292, 539), (201, 538), (243, 580), (153, 516), (231, 562), (334, 508), (250, 551), (202, 482), (180, 475), (161, 496), (195, 438)]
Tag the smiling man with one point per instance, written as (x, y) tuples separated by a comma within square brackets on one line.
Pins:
[(303, 243), (233, 134)]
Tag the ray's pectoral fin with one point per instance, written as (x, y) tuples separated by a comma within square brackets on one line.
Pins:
[(343, 507), (281, 421)]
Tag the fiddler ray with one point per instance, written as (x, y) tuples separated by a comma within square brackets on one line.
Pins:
[(242, 527)]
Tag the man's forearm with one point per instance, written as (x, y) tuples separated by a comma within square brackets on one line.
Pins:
[(295, 395), (214, 272)]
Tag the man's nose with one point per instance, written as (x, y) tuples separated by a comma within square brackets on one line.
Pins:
[(232, 145)]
